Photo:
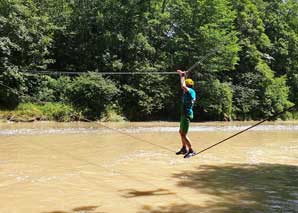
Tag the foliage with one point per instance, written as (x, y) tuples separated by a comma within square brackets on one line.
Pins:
[(91, 94), (112, 113), (45, 88), (147, 96), (248, 54), (48, 111), (25, 35), (215, 100), (12, 85), (59, 112), (281, 21), (276, 97), (38, 89)]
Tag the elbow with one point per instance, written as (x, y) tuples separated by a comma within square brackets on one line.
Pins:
[(184, 88)]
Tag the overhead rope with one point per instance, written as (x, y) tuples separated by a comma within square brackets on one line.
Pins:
[(211, 52), (100, 73), (114, 129), (100, 166), (242, 131), (204, 150)]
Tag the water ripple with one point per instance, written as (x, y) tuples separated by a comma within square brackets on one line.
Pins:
[(50, 131)]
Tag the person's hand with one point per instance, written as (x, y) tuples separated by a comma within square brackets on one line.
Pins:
[(181, 73)]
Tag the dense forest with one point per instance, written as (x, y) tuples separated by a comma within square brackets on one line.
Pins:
[(251, 71)]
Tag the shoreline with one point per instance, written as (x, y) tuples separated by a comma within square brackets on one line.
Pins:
[(154, 125), (59, 128), (3, 121)]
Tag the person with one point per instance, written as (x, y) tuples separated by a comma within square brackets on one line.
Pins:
[(188, 100)]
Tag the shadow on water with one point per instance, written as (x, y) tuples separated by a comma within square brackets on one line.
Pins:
[(131, 193), (85, 209), (243, 188)]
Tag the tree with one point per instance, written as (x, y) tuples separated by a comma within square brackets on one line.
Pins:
[(281, 25), (215, 102), (25, 35), (254, 78), (12, 88)]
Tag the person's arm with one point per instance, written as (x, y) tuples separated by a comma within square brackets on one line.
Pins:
[(182, 75)]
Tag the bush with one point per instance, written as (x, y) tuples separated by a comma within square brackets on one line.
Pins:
[(293, 83), (112, 113), (12, 87), (91, 94), (42, 88), (48, 111), (59, 112), (38, 88), (276, 97), (59, 87)]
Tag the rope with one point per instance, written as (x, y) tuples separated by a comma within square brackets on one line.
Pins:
[(242, 131), (101, 73), (170, 150), (212, 52), (117, 130), (134, 137), (109, 170)]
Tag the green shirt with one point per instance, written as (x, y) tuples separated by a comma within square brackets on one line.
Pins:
[(188, 100)]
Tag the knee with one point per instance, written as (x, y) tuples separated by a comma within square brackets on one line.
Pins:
[(182, 133)]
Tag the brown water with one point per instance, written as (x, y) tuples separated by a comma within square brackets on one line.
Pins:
[(81, 167)]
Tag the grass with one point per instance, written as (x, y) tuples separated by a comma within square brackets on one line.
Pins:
[(28, 112), (112, 114), (42, 112)]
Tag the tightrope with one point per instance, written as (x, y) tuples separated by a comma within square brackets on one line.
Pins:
[(242, 131)]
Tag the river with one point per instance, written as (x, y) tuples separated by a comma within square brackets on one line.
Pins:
[(132, 167)]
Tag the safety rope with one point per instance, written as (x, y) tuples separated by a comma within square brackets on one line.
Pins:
[(114, 129), (134, 137), (242, 131)]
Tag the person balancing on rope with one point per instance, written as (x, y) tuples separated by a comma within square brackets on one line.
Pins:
[(188, 100)]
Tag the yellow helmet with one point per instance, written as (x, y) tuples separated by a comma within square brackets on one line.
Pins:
[(189, 82)]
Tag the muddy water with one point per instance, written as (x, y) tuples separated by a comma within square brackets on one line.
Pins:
[(70, 168)]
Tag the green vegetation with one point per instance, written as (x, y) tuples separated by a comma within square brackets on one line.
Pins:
[(252, 75), (91, 94), (41, 112), (112, 113)]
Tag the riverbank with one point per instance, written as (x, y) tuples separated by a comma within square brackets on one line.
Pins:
[(57, 112), (50, 127), (30, 112)]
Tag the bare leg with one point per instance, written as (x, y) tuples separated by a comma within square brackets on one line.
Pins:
[(183, 150), (182, 139), (186, 141)]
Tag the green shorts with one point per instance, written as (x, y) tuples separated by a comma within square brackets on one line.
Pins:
[(184, 124)]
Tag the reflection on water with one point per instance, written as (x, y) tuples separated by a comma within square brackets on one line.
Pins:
[(69, 168)]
